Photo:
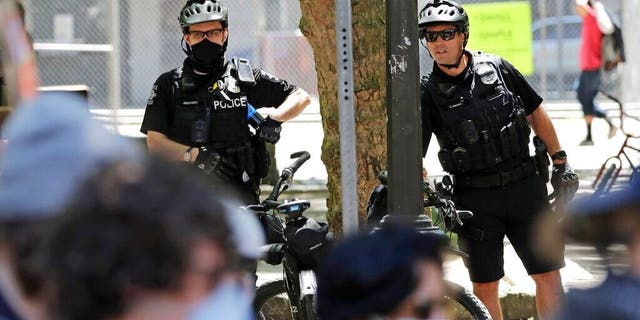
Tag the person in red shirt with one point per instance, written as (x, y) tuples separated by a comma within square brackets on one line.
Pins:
[(590, 62)]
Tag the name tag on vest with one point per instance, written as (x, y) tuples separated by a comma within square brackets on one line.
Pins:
[(189, 103)]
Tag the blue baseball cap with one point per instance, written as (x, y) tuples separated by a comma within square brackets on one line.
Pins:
[(53, 145), (371, 274), (605, 203)]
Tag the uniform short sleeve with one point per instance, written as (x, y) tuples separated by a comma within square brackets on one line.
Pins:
[(518, 85), (157, 115), (269, 91), (430, 120)]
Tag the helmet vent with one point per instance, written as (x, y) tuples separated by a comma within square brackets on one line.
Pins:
[(209, 8), (452, 12), (197, 9)]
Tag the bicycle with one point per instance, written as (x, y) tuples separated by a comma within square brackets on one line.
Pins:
[(302, 244), (459, 303), (612, 167)]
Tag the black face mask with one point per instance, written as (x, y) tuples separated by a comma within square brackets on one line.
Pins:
[(206, 56)]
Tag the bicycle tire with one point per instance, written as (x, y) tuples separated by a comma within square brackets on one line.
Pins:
[(460, 304), (635, 176), (272, 302), (603, 184), (307, 308)]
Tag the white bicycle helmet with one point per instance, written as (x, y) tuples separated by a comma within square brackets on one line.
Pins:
[(444, 11), (199, 11)]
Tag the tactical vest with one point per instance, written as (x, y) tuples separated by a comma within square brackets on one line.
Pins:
[(203, 116), (484, 125)]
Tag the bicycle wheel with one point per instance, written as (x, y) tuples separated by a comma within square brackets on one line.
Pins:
[(605, 181), (272, 302), (307, 308), (635, 175), (462, 304)]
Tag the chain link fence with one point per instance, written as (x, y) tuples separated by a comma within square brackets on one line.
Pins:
[(555, 33), (118, 48)]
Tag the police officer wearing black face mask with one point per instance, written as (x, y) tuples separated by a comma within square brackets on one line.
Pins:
[(198, 113), (481, 109)]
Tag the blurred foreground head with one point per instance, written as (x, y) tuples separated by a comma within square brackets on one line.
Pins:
[(53, 145), (393, 273), (147, 239), (613, 217)]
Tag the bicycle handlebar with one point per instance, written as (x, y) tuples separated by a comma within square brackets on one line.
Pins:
[(439, 198), (288, 171), (271, 202), (622, 112)]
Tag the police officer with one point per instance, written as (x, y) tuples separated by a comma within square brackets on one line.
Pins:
[(198, 113), (481, 109)]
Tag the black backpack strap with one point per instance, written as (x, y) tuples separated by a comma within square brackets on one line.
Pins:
[(176, 89)]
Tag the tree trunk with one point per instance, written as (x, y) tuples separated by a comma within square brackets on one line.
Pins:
[(318, 25)]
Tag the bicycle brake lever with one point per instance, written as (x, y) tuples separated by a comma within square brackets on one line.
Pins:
[(256, 208), (270, 204)]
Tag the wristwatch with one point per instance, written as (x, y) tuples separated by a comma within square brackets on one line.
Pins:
[(187, 155), (560, 155)]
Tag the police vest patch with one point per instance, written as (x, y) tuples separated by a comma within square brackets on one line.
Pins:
[(230, 104), (152, 95)]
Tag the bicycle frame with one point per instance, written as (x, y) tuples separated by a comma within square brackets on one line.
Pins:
[(613, 165), (300, 285)]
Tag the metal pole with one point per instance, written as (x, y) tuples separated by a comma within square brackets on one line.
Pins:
[(542, 8), (560, 40), (404, 145), (349, 179), (114, 70), (631, 68)]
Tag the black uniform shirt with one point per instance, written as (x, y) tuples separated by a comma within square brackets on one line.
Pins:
[(268, 91), (431, 119)]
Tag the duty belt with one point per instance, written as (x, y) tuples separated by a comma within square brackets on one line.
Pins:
[(498, 179)]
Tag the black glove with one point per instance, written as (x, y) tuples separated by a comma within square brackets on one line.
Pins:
[(269, 130), (564, 181), (212, 163)]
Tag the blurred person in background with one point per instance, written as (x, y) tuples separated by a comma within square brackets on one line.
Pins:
[(198, 113), (590, 58), (613, 218), (390, 274), (149, 241)]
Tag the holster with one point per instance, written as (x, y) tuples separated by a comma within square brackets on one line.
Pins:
[(261, 157), (541, 158)]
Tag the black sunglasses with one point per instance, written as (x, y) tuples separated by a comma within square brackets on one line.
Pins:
[(432, 36)]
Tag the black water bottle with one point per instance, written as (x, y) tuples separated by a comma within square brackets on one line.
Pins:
[(254, 118)]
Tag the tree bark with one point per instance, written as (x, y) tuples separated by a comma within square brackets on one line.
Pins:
[(368, 21)]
